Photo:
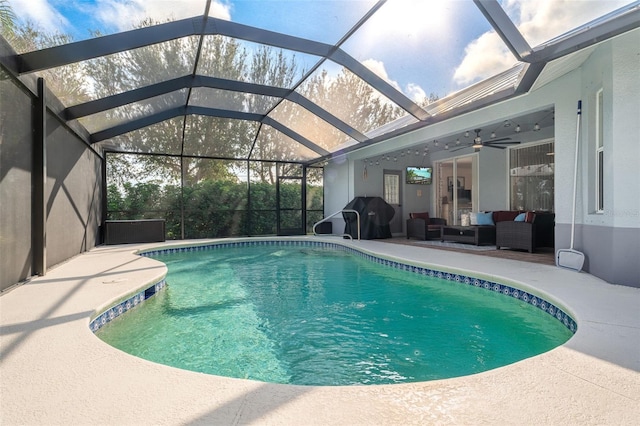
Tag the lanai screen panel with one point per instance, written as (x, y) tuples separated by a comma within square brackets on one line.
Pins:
[(231, 100), (218, 137), (239, 60), (83, 20), (539, 23), (428, 37), (349, 98), (332, 19), (133, 111), (308, 125), (120, 72), (215, 198), (160, 138), (274, 145)]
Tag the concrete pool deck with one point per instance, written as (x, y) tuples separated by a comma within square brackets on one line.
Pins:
[(54, 370)]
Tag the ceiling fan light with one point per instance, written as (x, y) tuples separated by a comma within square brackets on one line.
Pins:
[(477, 144)]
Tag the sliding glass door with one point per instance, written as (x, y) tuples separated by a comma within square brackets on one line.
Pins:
[(456, 187)]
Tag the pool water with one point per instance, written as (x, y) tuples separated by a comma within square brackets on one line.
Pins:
[(317, 316)]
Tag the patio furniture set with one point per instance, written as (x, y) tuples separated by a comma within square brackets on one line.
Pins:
[(504, 229)]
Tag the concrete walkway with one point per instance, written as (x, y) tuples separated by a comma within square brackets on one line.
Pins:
[(54, 371)]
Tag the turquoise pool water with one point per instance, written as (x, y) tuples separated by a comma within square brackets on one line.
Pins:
[(316, 316)]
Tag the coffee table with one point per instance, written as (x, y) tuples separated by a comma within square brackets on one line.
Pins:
[(477, 235)]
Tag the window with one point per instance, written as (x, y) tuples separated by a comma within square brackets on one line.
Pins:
[(531, 177), (599, 154), (392, 188)]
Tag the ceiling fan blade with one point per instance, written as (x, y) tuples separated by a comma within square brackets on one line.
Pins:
[(498, 140), (488, 145)]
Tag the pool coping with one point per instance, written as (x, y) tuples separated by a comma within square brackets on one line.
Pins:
[(51, 360)]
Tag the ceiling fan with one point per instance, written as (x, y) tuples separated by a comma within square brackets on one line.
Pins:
[(492, 143)]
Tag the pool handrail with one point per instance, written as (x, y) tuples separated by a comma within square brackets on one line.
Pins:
[(332, 215)]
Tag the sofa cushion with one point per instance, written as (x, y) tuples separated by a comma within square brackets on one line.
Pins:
[(485, 219), (424, 215), (504, 215)]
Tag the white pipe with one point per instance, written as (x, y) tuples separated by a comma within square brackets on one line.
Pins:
[(575, 174)]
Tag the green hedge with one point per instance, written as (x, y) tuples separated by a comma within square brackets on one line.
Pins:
[(212, 209)]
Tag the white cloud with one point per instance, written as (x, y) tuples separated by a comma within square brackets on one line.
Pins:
[(538, 21), (378, 68), (41, 13), (415, 92), (412, 90), (125, 14), (485, 56)]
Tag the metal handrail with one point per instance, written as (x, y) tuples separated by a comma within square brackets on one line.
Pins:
[(336, 213)]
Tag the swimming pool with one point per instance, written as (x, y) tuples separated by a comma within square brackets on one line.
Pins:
[(400, 343)]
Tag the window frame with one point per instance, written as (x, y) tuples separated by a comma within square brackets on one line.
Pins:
[(511, 149)]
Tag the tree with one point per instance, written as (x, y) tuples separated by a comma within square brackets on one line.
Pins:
[(7, 20), (68, 81), (429, 99)]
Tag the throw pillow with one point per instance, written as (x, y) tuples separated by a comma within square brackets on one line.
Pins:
[(473, 218), (485, 218), (520, 217), (464, 220)]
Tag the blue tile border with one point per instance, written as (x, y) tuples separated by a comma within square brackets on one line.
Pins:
[(495, 287), (132, 302)]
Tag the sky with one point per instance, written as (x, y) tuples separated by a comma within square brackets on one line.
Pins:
[(418, 46)]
